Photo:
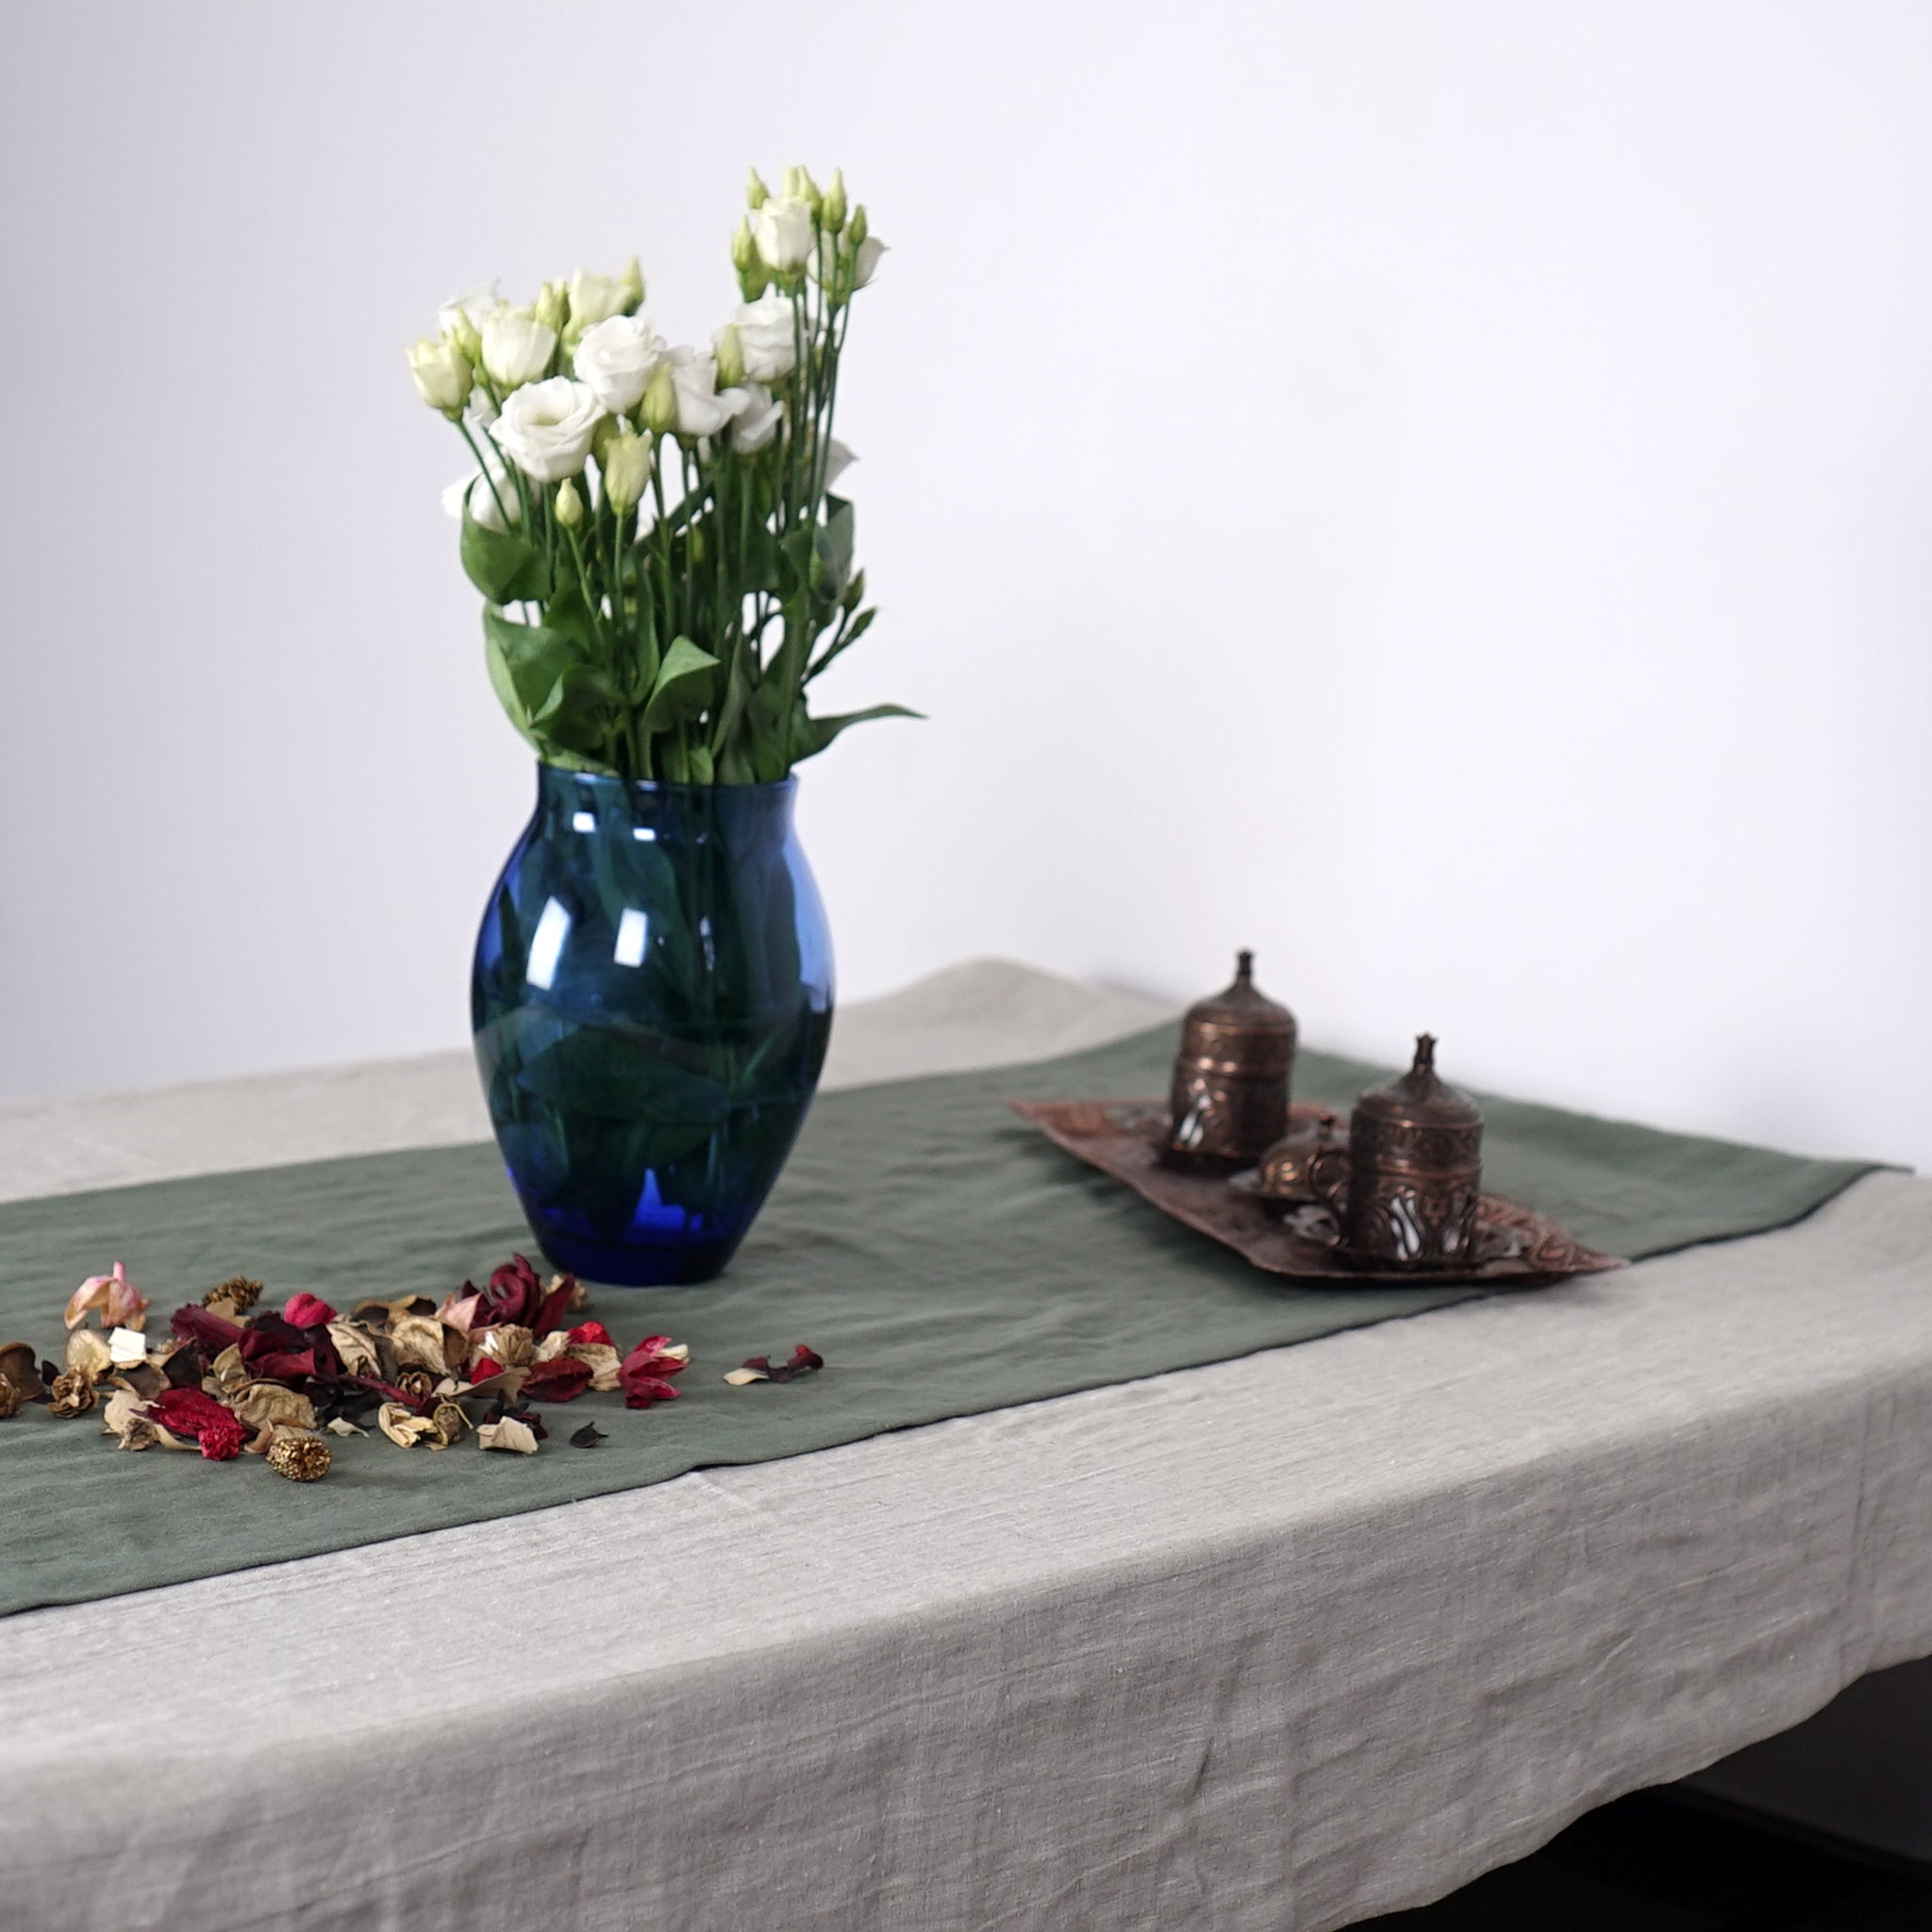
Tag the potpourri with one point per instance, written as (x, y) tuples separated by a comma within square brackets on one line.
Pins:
[(228, 1376)]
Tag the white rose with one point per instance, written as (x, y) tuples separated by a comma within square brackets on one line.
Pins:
[(546, 427), (516, 347), (865, 261), (783, 232), (757, 419), (701, 412), (615, 359), (475, 491), (765, 339), (471, 306), (595, 299), (443, 374)]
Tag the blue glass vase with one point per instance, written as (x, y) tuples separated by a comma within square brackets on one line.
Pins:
[(652, 997)]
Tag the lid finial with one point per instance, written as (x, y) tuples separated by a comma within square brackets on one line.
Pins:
[(1244, 964), (1425, 1053)]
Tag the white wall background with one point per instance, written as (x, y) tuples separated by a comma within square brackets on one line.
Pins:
[(1440, 492)]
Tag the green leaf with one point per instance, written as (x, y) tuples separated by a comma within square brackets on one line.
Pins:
[(698, 765), (502, 564), (561, 705), (577, 714), (683, 685), (525, 661), (568, 613), (811, 736)]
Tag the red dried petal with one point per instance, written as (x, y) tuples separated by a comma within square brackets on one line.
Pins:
[(593, 1333), (196, 1323), (640, 1391), (307, 1311), (184, 1411), (482, 1371), (561, 1380), (554, 1306), (513, 1296), (648, 1358), (221, 1439), (288, 1366), (805, 1360)]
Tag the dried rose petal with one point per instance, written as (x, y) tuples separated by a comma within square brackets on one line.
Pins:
[(514, 1294), (593, 1333), (484, 1369), (508, 1432), (307, 1311), (760, 1368), (640, 1391), (561, 1380), (187, 1411), (194, 1323), (554, 1310), (588, 1437)]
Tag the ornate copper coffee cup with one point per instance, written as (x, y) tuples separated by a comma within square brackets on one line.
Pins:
[(1229, 1102), (1415, 1171)]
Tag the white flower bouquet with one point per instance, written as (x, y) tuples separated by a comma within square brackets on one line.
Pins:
[(665, 566)]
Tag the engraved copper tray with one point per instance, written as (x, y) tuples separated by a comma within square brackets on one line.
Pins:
[(1122, 1138)]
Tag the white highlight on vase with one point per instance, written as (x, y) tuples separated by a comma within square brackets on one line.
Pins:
[(648, 833), (546, 944), (632, 930)]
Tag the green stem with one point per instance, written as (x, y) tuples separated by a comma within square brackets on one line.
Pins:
[(484, 466)]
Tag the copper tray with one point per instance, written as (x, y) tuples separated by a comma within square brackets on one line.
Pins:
[(1122, 1138)]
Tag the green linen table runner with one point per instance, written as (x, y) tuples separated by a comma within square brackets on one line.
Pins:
[(943, 1257)]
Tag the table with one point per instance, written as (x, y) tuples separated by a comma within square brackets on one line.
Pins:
[(1282, 1642)]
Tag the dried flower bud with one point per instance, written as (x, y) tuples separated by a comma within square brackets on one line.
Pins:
[(235, 1296), (301, 1458), (448, 1421), (73, 1393), (9, 1399), (419, 1384)]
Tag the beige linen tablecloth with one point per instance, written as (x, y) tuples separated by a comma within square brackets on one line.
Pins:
[(1280, 1642)]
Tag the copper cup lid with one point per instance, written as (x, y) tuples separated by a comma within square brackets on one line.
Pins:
[(1242, 1007), (1421, 1098)]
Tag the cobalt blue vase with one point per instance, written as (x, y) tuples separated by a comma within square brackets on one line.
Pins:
[(652, 997)]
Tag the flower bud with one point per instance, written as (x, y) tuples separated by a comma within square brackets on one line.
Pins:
[(659, 407), (859, 231), (744, 247), (443, 374), (460, 331), (783, 233), (570, 506), (552, 305), (633, 280), (625, 464), (517, 347), (756, 193), (594, 299), (730, 352), (833, 213)]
